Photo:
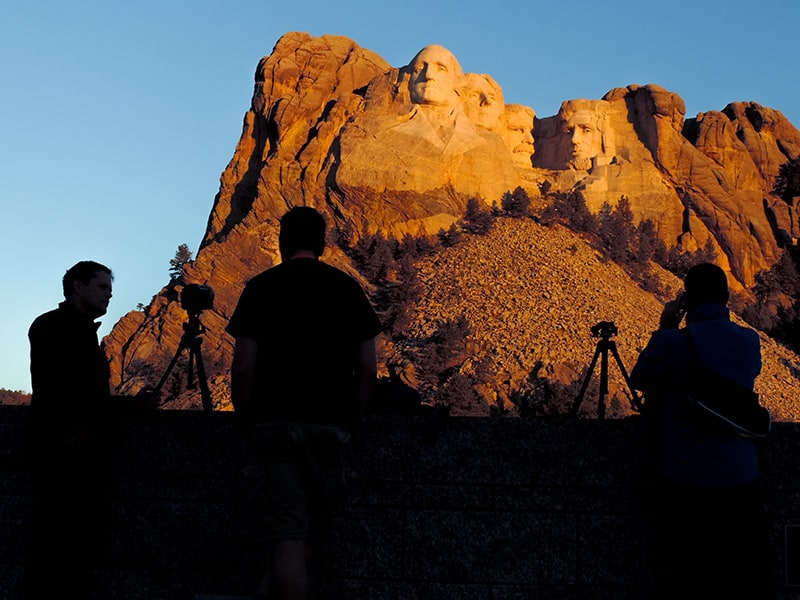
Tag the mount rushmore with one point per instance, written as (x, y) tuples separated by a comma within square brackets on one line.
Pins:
[(401, 150)]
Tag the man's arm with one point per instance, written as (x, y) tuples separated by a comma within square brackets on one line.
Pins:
[(242, 379), (366, 372), (653, 361)]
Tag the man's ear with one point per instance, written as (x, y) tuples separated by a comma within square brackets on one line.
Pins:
[(77, 287)]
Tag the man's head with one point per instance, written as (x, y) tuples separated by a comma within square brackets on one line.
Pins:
[(483, 101), (584, 131), (302, 228), (435, 77), (87, 286), (705, 283), (518, 133)]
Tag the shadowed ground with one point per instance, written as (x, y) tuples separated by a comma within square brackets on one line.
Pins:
[(472, 508)]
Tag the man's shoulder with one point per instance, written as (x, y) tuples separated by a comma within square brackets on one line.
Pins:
[(336, 272), (321, 270), (290, 273), (731, 328), (745, 330), (51, 318), (751, 335), (668, 337), (266, 277)]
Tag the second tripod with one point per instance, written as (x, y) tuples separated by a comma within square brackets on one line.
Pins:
[(194, 299), (605, 330)]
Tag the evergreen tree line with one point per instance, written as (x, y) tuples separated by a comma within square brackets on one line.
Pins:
[(14, 397), (613, 232), (389, 264), (776, 308)]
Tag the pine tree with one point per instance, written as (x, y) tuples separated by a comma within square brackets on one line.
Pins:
[(570, 210), (183, 256), (408, 247), (451, 237), (477, 219), (648, 245), (520, 203), (787, 183), (401, 296), (426, 246), (380, 259), (506, 202), (617, 230)]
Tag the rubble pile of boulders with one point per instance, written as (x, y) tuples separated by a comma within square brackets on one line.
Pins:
[(532, 295)]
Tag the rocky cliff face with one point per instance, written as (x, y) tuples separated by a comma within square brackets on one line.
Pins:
[(698, 179), (401, 150)]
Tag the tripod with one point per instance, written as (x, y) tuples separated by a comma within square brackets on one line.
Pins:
[(193, 330), (605, 331)]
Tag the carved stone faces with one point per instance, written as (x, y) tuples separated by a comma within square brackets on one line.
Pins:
[(483, 102), (518, 133), (585, 140), (434, 77)]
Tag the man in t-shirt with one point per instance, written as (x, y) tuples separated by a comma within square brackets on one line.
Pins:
[(304, 367)]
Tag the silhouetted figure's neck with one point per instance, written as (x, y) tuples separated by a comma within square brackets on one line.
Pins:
[(304, 254)]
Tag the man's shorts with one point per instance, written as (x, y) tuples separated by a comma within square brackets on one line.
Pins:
[(304, 478)]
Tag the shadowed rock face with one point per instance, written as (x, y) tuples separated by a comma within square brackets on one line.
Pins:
[(699, 179), (402, 150)]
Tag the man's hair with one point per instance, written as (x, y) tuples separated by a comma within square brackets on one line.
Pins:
[(302, 228), (84, 272), (705, 283)]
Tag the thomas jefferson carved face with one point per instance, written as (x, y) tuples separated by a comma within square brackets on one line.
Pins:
[(483, 102), (435, 75), (518, 134), (585, 140)]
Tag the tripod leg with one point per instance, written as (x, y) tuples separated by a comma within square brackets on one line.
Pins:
[(579, 398), (174, 360), (205, 392), (637, 402), (601, 403)]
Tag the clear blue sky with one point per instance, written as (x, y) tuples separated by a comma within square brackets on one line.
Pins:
[(117, 118)]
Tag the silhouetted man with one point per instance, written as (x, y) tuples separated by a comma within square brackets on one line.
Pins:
[(712, 539), (68, 424), (304, 366)]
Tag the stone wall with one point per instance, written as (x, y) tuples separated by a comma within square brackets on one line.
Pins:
[(456, 508)]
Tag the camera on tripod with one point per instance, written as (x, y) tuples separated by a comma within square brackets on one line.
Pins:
[(604, 329), (196, 298)]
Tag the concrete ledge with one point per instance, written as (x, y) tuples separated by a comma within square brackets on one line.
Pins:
[(483, 508)]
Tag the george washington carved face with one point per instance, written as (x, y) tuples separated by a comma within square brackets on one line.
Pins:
[(435, 76)]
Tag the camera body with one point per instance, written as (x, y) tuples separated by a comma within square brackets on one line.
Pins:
[(604, 329), (682, 307), (196, 298)]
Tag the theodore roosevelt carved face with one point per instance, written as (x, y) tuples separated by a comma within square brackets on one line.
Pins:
[(518, 133)]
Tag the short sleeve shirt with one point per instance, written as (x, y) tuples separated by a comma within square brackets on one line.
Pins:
[(307, 319)]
